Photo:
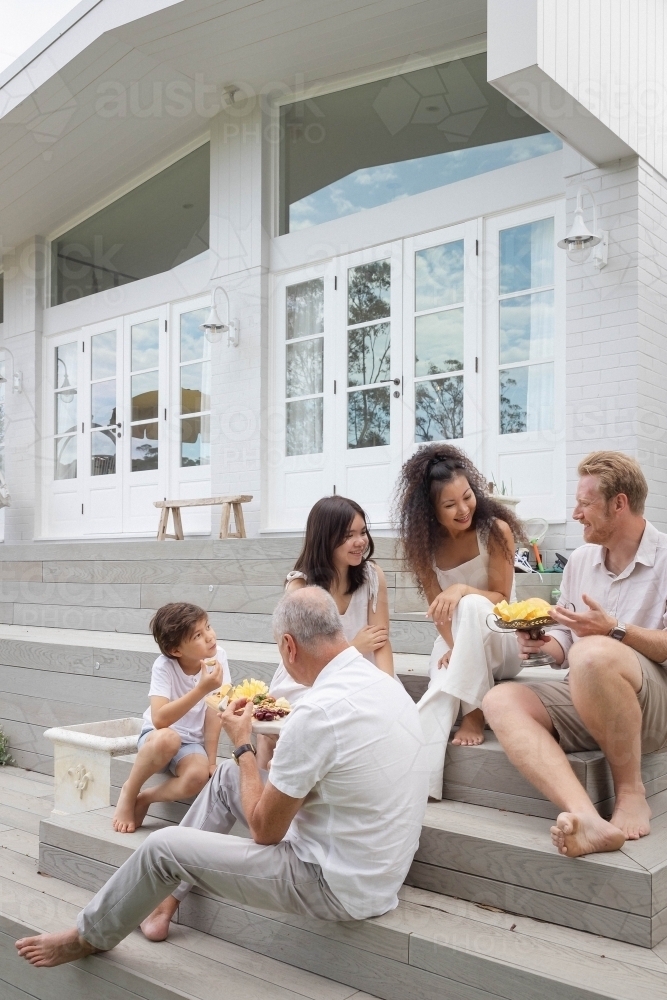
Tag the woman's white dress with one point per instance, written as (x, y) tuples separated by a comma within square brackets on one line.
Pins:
[(354, 619), (479, 658)]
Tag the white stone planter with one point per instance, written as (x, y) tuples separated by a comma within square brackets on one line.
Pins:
[(82, 761), (510, 502)]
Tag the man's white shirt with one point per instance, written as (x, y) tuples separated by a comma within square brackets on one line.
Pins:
[(353, 749)]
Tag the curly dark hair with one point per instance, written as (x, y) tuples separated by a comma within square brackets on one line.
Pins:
[(328, 523), (419, 483)]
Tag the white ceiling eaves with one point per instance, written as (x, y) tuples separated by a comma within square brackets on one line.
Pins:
[(79, 29)]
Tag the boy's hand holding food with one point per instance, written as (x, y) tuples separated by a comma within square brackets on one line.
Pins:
[(210, 677)]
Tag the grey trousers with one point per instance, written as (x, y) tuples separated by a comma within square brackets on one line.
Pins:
[(267, 877)]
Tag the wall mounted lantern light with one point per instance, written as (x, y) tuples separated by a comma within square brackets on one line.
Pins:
[(214, 327), (580, 242)]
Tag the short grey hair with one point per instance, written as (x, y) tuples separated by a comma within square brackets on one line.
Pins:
[(309, 615)]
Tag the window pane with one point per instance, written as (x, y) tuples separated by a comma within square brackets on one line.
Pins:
[(103, 403), (439, 342), (368, 288), (527, 327), (439, 276), (103, 453), (65, 458), (527, 399), (527, 256), (368, 354), (145, 396), (304, 367), (368, 418), (196, 440), (145, 345), (144, 447), (66, 413), (439, 409), (305, 308), (103, 355), (196, 387), (194, 345), (303, 427), (66, 356), (152, 228)]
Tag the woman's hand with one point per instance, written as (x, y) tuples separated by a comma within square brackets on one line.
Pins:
[(443, 607), (444, 659), (370, 638)]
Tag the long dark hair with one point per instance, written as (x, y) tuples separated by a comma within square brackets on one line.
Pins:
[(421, 479), (327, 525)]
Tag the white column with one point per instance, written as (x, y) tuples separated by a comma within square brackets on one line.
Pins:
[(24, 270), (617, 330)]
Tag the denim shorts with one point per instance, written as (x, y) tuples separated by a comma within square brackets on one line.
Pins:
[(184, 750)]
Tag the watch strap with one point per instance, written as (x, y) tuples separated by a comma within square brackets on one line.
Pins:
[(243, 749)]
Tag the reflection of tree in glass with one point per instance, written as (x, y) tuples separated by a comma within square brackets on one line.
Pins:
[(513, 418), (304, 368), (368, 418), (145, 457), (368, 355), (305, 308), (439, 409), (368, 292)]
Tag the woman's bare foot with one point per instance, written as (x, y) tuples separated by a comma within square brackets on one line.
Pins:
[(47, 950), (585, 833), (471, 731), (124, 816), (156, 925), (632, 815)]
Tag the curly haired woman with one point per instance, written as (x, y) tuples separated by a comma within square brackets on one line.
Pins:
[(459, 544)]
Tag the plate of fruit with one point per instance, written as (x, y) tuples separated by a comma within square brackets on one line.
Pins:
[(269, 712)]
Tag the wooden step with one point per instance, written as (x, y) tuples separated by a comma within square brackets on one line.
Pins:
[(433, 946)]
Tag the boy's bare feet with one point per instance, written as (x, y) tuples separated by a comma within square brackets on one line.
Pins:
[(632, 815), (140, 810), (124, 817), (47, 950), (156, 925), (576, 834), (471, 731)]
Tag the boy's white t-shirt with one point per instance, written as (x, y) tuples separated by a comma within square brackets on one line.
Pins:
[(169, 681)]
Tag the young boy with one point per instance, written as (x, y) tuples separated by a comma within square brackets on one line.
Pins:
[(180, 733)]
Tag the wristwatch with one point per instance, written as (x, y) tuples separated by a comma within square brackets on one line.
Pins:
[(243, 749), (619, 631)]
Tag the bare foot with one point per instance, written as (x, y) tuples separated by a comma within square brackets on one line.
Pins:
[(47, 950), (471, 730), (140, 810), (585, 833), (632, 815), (123, 818), (156, 925)]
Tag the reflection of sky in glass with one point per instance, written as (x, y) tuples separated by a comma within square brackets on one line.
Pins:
[(103, 453), (145, 395), (439, 342), (194, 345), (439, 276), (103, 403), (65, 458), (368, 354), (196, 387), (303, 427), (368, 418), (144, 447), (103, 355), (439, 409), (304, 368), (305, 308), (66, 356), (66, 416), (195, 441), (372, 186), (527, 399), (527, 256), (145, 345), (527, 327), (368, 292)]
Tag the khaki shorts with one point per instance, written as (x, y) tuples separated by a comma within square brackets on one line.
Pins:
[(573, 735)]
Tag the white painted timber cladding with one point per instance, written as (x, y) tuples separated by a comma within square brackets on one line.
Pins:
[(610, 55)]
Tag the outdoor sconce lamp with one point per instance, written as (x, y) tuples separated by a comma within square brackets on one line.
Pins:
[(214, 327), (580, 242)]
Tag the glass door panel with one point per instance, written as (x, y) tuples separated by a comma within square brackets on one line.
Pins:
[(102, 424)]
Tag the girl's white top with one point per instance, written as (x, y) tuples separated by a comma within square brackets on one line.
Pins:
[(354, 619), (474, 573)]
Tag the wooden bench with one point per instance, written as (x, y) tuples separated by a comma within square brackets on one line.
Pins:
[(229, 504)]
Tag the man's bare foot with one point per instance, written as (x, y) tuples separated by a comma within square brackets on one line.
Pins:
[(124, 816), (47, 950), (471, 731), (632, 815), (156, 925), (585, 833)]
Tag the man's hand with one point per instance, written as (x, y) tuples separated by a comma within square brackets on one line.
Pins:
[(370, 638), (210, 678), (237, 721), (528, 645), (593, 622), (443, 607)]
